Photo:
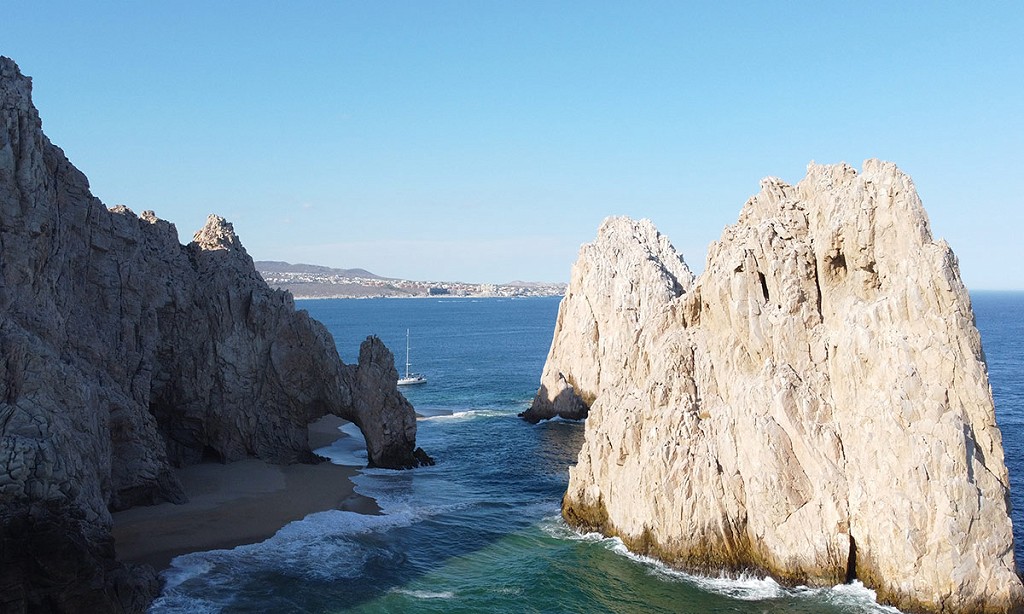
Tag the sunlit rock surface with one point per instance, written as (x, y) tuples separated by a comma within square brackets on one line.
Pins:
[(815, 405), (620, 281)]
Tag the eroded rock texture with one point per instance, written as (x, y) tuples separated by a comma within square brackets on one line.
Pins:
[(124, 353), (816, 405)]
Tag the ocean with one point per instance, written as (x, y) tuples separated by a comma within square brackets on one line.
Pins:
[(481, 530)]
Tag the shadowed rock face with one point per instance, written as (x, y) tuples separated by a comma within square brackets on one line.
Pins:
[(124, 353), (816, 405)]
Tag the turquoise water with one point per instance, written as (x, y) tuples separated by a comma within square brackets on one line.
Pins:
[(480, 531)]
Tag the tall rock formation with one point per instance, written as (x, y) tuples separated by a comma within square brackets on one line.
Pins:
[(816, 405), (123, 354), (619, 282)]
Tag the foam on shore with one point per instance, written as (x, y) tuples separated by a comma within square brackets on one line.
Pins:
[(853, 597), (233, 504)]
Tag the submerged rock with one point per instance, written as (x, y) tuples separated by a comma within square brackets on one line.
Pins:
[(123, 354), (815, 405)]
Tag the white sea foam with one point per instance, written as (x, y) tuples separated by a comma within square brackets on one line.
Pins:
[(561, 419), (853, 597), (348, 451), (181, 604), (856, 595), (424, 594), (408, 495), (744, 587), (346, 455), (185, 567), (174, 599), (556, 527), (466, 415), (319, 547), (456, 415)]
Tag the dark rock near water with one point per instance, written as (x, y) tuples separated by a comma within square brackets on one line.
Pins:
[(565, 403), (123, 354)]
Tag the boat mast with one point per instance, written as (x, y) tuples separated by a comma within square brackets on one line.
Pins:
[(407, 353)]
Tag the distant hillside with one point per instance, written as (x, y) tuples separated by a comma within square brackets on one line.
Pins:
[(277, 266), (315, 281)]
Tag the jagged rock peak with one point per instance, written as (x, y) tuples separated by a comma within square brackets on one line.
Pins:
[(628, 274), (15, 88), (816, 405), (218, 233)]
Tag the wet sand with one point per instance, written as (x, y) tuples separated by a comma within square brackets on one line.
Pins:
[(238, 503)]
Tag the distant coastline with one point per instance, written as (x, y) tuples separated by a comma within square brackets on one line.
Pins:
[(417, 297), (307, 281)]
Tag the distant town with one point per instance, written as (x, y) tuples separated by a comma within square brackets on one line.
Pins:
[(314, 281)]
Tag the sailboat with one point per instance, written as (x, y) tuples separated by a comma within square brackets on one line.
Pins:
[(410, 378)]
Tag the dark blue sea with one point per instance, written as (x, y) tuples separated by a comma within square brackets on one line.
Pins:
[(481, 531)]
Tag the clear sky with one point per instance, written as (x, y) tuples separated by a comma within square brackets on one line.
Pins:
[(485, 141)]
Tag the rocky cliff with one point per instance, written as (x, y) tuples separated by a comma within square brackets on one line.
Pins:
[(123, 354), (815, 405)]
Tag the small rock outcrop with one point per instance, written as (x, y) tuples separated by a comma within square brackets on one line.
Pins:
[(815, 405), (123, 354)]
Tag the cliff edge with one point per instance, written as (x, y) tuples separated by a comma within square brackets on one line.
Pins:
[(123, 354), (815, 405)]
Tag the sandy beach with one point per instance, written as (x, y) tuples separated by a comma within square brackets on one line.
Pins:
[(238, 503)]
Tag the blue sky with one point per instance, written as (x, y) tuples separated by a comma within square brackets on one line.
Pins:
[(485, 141)]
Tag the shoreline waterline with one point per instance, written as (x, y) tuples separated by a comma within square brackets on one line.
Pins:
[(234, 504)]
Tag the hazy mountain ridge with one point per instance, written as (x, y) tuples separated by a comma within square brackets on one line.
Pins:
[(316, 281), (278, 266)]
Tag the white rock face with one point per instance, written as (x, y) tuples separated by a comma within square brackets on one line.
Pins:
[(815, 406), (621, 280)]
